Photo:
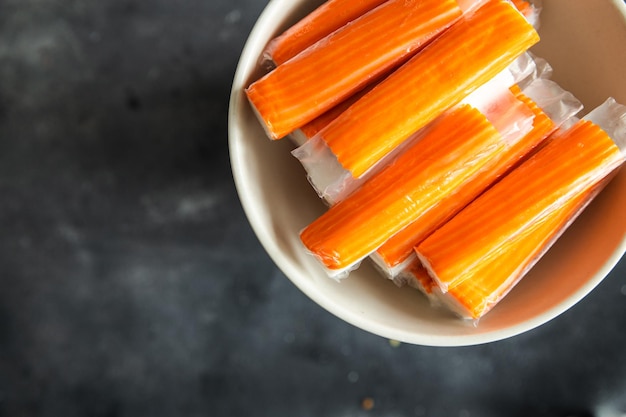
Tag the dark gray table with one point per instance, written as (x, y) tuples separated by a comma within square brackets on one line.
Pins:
[(132, 285)]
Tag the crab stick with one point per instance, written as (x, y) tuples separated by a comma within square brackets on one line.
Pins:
[(342, 63), (334, 14), (457, 146), (327, 18), (464, 57), (481, 253), (550, 105)]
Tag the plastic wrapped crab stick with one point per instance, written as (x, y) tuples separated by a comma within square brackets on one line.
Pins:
[(327, 18), (481, 253), (333, 14), (463, 58), (459, 145), (342, 63), (334, 183), (551, 107)]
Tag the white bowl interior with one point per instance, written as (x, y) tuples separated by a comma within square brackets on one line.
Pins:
[(584, 41)]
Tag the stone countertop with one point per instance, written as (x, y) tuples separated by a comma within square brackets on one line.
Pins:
[(133, 285)]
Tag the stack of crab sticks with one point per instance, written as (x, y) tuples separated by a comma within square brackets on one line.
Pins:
[(483, 251), (444, 151), (551, 106), (464, 57), (447, 165), (293, 93)]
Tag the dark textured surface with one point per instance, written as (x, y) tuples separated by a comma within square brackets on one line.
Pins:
[(132, 284)]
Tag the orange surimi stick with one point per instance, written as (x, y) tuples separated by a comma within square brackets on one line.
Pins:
[(317, 79), (481, 253), (559, 105), (464, 57), (330, 16), (458, 146)]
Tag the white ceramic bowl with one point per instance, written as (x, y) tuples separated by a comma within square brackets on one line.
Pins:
[(584, 41)]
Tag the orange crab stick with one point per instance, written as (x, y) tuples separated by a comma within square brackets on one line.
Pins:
[(481, 253), (458, 147), (464, 57), (559, 106), (314, 81), (330, 16)]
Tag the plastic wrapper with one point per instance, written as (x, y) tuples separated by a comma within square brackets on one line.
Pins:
[(551, 106), (540, 69), (333, 182), (337, 66), (450, 153), (479, 255)]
